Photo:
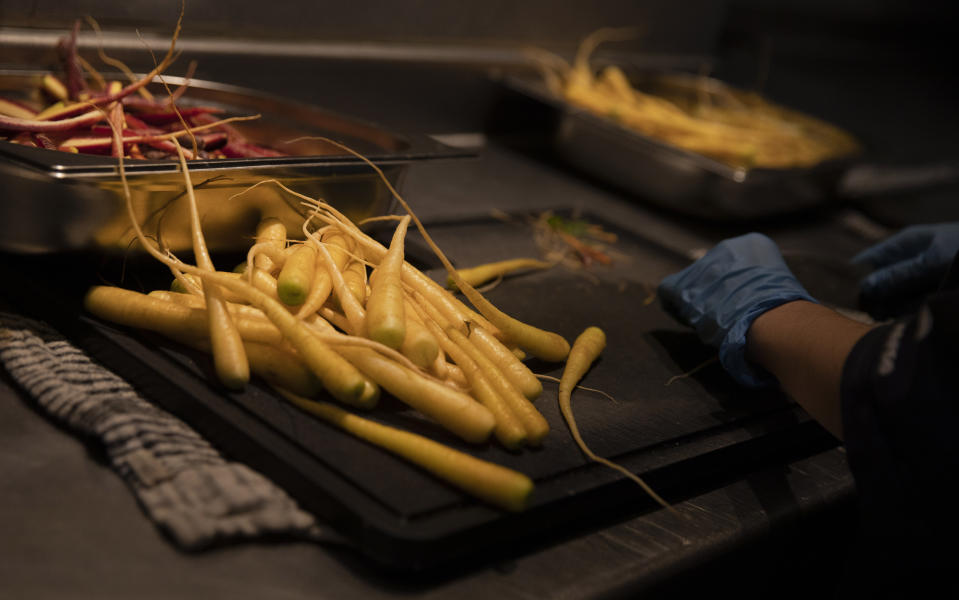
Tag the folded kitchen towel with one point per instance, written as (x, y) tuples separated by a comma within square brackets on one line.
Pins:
[(184, 485)]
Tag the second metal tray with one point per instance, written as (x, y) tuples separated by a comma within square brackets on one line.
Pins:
[(676, 179)]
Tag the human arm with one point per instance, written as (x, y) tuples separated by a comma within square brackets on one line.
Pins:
[(804, 346), (742, 299)]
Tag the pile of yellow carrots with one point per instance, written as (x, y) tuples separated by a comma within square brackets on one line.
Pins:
[(304, 316)]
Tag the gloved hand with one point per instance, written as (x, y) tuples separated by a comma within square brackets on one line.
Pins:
[(907, 265), (722, 293)]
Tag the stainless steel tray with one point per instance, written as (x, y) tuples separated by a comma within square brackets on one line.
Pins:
[(57, 201), (668, 176)]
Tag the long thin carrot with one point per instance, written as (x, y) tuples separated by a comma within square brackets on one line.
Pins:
[(480, 274), (229, 355), (338, 246), (271, 232), (354, 312), (511, 366), (456, 411), (532, 420), (295, 280), (385, 312), (419, 345), (508, 429), (498, 485), (134, 309), (586, 349)]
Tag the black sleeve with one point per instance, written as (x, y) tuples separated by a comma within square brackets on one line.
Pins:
[(900, 410)]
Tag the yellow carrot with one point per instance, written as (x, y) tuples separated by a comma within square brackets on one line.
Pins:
[(229, 356), (419, 345), (498, 485), (508, 429), (295, 280), (455, 375), (352, 309), (531, 419), (270, 232), (511, 366), (385, 310), (275, 365), (454, 410), (338, 246), (261, 280), (134, 309), (354, 275), (586, 349), (480, 274)]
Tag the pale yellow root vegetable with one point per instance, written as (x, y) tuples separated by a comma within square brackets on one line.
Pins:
[(455, 375), (239, 311), (184, 283), (354, 275), (295, 280), (508, 430), (330, 335), (511, 366), (586, 349), (354, 311), (274, 365), (385, 310), (533, 422), (229, 356), (338, 246), (266, 253), (439, 367), (453, 410), (454, 312), (265, 283), (480, 274), (336, 318), (134, 309), (446, 309), (193, 301), (370, 395), (498, 485), (270, 232), (419, 345), (261, 280), (546, 345), (178, 297)]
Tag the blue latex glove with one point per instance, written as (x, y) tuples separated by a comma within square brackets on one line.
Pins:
[(722, 293), (907, 266)]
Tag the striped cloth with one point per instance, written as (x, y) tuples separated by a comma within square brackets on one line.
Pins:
[(184, 485)]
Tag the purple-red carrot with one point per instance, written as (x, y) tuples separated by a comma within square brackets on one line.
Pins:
[(67, 49)]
